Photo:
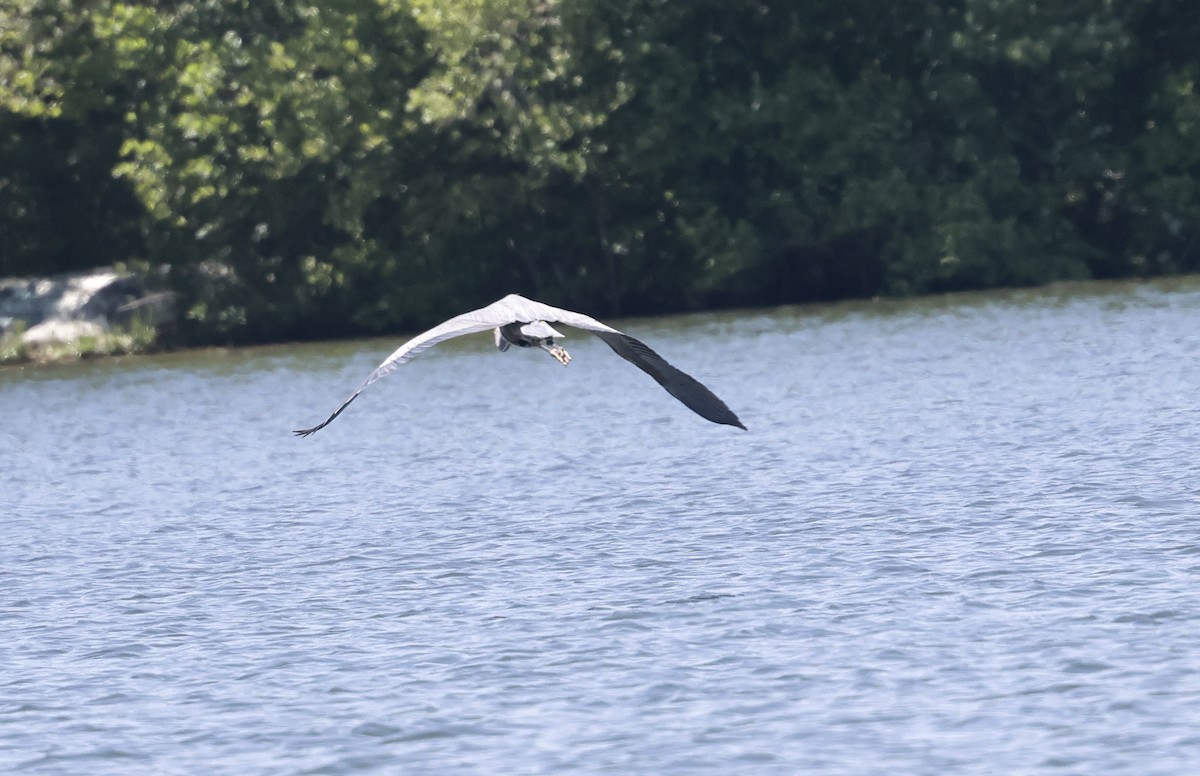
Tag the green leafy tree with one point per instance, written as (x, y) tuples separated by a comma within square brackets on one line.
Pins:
[(264, 136), (315, 169), (61, 129)]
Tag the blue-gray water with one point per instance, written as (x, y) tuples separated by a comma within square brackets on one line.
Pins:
[(961, 536)]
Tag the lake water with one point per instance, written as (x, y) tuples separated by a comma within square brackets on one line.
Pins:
[(961, 535)]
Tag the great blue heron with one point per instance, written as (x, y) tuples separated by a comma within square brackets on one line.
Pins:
[(526, 323)]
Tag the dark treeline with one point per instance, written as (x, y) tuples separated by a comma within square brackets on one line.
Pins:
[(354, 166)]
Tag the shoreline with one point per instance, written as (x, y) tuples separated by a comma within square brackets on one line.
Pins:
[(118, 316)]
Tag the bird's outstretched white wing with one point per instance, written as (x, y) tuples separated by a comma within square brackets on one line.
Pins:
[(495, 314), (678, 383)]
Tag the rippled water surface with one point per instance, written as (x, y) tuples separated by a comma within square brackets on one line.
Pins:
[(961, 536)]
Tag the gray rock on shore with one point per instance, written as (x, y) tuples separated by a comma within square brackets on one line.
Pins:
[(66, 308)]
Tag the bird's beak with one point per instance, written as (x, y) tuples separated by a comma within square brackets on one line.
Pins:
[(557, 351)]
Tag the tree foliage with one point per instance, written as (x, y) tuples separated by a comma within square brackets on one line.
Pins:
[(314, 169)]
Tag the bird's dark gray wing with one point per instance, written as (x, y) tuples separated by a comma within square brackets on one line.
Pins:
[(678, 383)]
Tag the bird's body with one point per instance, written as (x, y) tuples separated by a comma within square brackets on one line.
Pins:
[(526, 323), (527, 335)]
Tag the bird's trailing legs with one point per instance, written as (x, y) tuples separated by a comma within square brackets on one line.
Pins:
[(558, 351)]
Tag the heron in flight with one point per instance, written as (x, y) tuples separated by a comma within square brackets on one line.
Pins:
[(526, 324)]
